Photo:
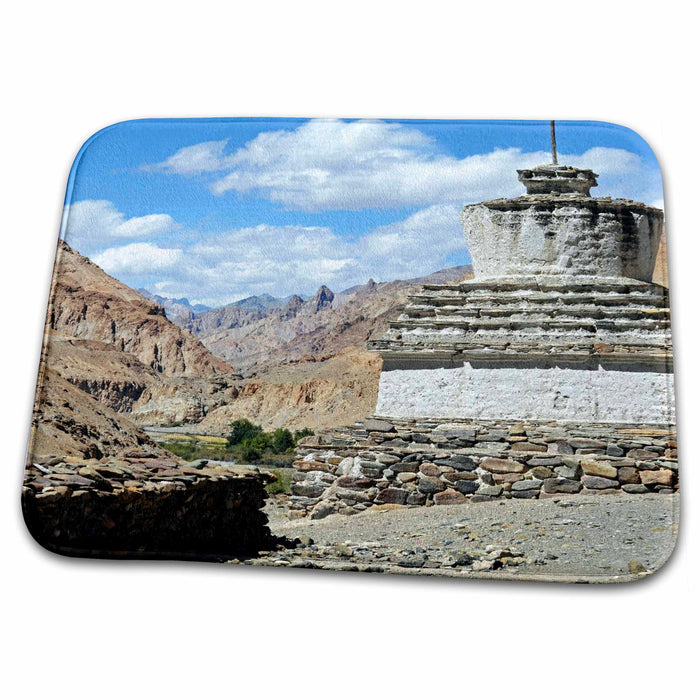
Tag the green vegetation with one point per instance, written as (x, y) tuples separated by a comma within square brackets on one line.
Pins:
[(247, 443), (250, 444), (284, 481)]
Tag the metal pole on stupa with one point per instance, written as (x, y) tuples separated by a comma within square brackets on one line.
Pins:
[(554, 142)]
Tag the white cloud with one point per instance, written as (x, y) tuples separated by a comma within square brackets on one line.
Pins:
[(138, 258), (283, 260), (331, 164), (194, 160), (93, 223)]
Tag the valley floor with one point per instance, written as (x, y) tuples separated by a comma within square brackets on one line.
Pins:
[(602, 538)]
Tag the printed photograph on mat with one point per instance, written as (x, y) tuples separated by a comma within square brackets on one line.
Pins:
[(433, 348)]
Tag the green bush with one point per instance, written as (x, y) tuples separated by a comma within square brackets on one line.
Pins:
[(282, 441), (242, 430), (248, 452), (299, 434)]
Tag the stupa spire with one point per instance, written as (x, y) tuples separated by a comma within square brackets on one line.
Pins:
[(557, 179)]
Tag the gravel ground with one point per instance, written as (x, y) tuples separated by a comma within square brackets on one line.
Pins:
[(601, 538)]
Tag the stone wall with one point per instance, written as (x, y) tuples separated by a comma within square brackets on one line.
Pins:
[(396, 463), (142, 506)]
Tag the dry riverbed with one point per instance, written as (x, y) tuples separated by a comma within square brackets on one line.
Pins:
[(601, 538)]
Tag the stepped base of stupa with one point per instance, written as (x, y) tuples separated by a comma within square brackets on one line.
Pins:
[(563, 348)]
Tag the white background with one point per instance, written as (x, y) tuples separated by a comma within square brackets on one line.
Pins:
[(84, 629)]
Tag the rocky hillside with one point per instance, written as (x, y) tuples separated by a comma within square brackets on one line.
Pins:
[(325, 394), (68, 422), (88, 303)]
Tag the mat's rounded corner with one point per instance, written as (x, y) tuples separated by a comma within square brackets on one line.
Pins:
[(656, 567), (632, 134), (89, 141), (38, 536)]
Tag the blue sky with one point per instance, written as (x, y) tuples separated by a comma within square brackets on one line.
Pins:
[(220, 209)]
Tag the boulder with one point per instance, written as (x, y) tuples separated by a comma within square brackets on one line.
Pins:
[(449, 497)]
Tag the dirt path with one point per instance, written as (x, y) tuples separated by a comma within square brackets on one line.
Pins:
[(571, 538)]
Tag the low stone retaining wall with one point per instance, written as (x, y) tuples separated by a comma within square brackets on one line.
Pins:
[(394, 463), (142, 506)]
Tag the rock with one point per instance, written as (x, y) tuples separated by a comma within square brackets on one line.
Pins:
[(636, 567), (111, 472), (635, 488), (529, 493), (465, 486), (483, 565), (586, 443), (349, 467), (560, 447), (431, 484), (614, 451), (561, 485), (527, 485), (541, 473), (458, 463), (391, 495), (459, 435), (493, 464), (305, 488), (449, 497), (416, 498), (342, 550), (628, 475), (663, 477), (595, 468), (545, 462), (599, 482), (354, 496), (100, 482), (491, 491), (374, 425), (322, 510), (527, 447), (348, 482), (405, 477), (412, 561), (507, 478), (430, 469), (568, 471), (464, 559), (388, 459), (312, 466)]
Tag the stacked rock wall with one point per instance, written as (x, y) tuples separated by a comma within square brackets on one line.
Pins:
[(147, 507), (415, 463)]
